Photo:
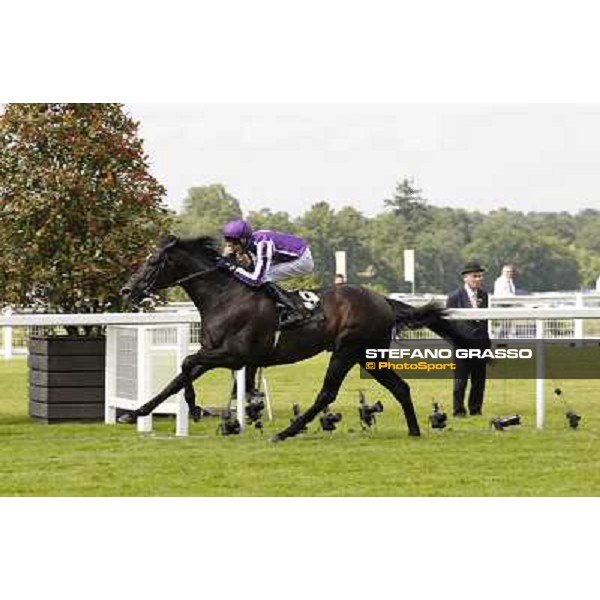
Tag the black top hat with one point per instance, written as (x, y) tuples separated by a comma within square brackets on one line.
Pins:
[(472, 267)]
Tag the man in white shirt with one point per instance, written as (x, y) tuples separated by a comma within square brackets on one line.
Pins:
[(504, 285)]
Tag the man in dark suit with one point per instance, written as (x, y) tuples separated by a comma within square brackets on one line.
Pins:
[(470, 295)]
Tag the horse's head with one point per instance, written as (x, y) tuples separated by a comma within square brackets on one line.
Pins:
[(155, 273), (170, 262)]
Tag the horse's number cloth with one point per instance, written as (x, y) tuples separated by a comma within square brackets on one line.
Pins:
[(310, 300)]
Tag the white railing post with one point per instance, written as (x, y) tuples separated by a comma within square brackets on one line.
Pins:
[(183, 349), (144, 424), (267, 394), (7, 336), (578, 330), (240, 381), (110, 375), (539, 374)]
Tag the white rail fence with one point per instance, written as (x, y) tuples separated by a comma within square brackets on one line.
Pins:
[(521, 327), (537, 315), (13, 339)]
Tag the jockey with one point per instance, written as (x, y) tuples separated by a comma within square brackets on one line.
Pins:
[(275, 256)]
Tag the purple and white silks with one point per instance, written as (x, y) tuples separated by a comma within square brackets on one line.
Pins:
[(276, 256)]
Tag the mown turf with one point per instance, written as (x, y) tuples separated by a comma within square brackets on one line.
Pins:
[(467, 459)]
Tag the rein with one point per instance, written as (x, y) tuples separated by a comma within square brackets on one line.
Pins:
[(194, 275)]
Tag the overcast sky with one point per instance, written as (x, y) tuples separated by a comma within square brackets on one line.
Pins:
[(538, 157)]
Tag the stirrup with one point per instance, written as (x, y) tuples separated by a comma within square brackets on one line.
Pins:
[(290, 320)]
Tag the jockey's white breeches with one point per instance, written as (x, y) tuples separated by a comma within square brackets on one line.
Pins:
[(299, 267)]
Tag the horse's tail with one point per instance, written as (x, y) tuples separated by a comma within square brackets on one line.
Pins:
[(432, 316)]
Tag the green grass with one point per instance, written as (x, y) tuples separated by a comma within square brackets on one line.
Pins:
[(467, 459)]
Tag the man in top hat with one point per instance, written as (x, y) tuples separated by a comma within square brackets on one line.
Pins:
[(470, 295)]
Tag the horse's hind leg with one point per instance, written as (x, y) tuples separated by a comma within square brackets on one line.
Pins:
[(251, 371), (203, 361), (339, 365), (401, 391), (189, 376)]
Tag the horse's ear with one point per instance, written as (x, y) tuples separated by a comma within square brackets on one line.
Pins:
[(170, 241)]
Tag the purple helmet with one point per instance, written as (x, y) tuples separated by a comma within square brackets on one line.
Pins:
[(237, 229)]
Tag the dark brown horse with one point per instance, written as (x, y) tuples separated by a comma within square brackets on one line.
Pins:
[(239, 326)]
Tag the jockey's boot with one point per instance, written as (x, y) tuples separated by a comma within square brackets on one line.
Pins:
[(292, 315)]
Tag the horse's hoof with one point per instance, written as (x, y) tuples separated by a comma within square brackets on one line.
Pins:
[(416, 433), (198, 412), (276, 439), (127, 418)]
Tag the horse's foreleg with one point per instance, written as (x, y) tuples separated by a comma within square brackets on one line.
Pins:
[(174, 386), (401, 391), (339, 365)]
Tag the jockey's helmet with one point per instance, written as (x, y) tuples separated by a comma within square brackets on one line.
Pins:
[(235, 230)]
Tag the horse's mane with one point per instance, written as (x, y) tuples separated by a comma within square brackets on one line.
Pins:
[(203, 244)]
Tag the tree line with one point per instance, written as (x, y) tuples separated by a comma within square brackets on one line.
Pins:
[(79, 210), (550, 250)]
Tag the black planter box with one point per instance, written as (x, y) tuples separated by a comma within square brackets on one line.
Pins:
[(66, 378)]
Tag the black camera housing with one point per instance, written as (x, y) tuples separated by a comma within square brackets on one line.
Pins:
[(367, 412), (501, 423), (254, 409), (437, 419), (573, 418), (329, 420), (229, 425)]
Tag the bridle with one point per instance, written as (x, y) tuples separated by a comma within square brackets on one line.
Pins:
[(151, 286)]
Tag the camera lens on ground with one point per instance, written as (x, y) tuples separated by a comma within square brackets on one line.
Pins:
[(254, 409), (367, 412), (229, 425), (501, 423), (573, 419), (329, 420), (437, 418)]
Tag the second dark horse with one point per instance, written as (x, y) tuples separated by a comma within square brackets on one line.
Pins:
[(239, 326)]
